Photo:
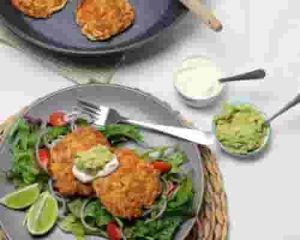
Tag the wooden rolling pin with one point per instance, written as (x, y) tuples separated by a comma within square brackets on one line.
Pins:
[(200, 11)]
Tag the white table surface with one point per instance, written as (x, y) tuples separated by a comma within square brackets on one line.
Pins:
[(263, 195)]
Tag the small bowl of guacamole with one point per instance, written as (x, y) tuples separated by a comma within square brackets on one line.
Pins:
[(240, 129)]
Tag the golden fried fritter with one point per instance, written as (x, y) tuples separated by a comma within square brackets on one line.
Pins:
[(132, 187), (62, 159), (102, 19), (39, 8)]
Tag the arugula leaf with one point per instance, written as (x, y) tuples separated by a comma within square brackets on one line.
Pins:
[(155, 153), (32, 139), (70, 224), (23, 135), (161, 229), (75, 207), (81, 122), (118, 133), (176, 159), (95, 214), (54, 132), (181, 202), (24, 169), (23, 126), (13, 132), (24, 166)]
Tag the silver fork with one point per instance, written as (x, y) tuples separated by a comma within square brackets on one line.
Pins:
[(102, 116)]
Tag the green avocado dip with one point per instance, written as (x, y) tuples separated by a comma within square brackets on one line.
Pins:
[(93, 160), (240, 128)]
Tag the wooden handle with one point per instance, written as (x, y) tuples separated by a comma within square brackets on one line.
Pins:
[(198, 9)]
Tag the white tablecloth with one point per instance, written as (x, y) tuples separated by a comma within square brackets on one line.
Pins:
[(263, 195)]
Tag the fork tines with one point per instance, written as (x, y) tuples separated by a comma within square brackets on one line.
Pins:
[(99, 113)]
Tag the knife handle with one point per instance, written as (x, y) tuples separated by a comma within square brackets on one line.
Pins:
[(200, 11)]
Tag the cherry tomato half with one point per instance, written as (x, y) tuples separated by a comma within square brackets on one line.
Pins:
[(161, 166), (113, 231), (57, 119), (44, 158)]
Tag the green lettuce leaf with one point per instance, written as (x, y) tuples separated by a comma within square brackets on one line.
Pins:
[(155, 153), (80, 122), (75, 207), (96, 214), (71, 224), (118, 133), (24, 169), (161, 229), (54, 132), (181, 201), (176, 159)]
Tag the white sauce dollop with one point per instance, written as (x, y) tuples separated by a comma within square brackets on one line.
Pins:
[(110, 167), (198, 77)]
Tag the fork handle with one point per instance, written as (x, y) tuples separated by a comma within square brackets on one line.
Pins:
[(191, 135)]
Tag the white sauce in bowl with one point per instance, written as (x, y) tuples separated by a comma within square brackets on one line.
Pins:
[(198, 78), (110, 167)]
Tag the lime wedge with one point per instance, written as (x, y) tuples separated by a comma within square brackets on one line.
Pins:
[(42, 215), (21, 198)]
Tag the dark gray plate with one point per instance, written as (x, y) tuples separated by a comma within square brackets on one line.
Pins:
[(61, 34), (131, 103)]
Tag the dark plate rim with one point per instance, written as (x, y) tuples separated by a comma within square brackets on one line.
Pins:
[(162, 103), (79, 52)]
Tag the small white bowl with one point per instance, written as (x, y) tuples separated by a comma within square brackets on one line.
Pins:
[(199, 101), (254, 153)]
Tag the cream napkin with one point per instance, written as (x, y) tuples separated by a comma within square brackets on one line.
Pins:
[(79, 70)]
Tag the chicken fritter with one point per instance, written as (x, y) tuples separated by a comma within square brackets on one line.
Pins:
[(39, 8), (102, 19), (62, 160), (134, 186)]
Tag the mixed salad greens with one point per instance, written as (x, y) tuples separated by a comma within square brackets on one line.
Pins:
[(24, 169), (86, 216)]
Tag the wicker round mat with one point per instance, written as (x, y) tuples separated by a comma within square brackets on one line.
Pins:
[(212, 222)]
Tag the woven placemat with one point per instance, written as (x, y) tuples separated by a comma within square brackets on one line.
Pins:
[(212, 222)]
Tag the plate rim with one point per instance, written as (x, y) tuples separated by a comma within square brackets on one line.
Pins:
[(81, 52), (162, 103)]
